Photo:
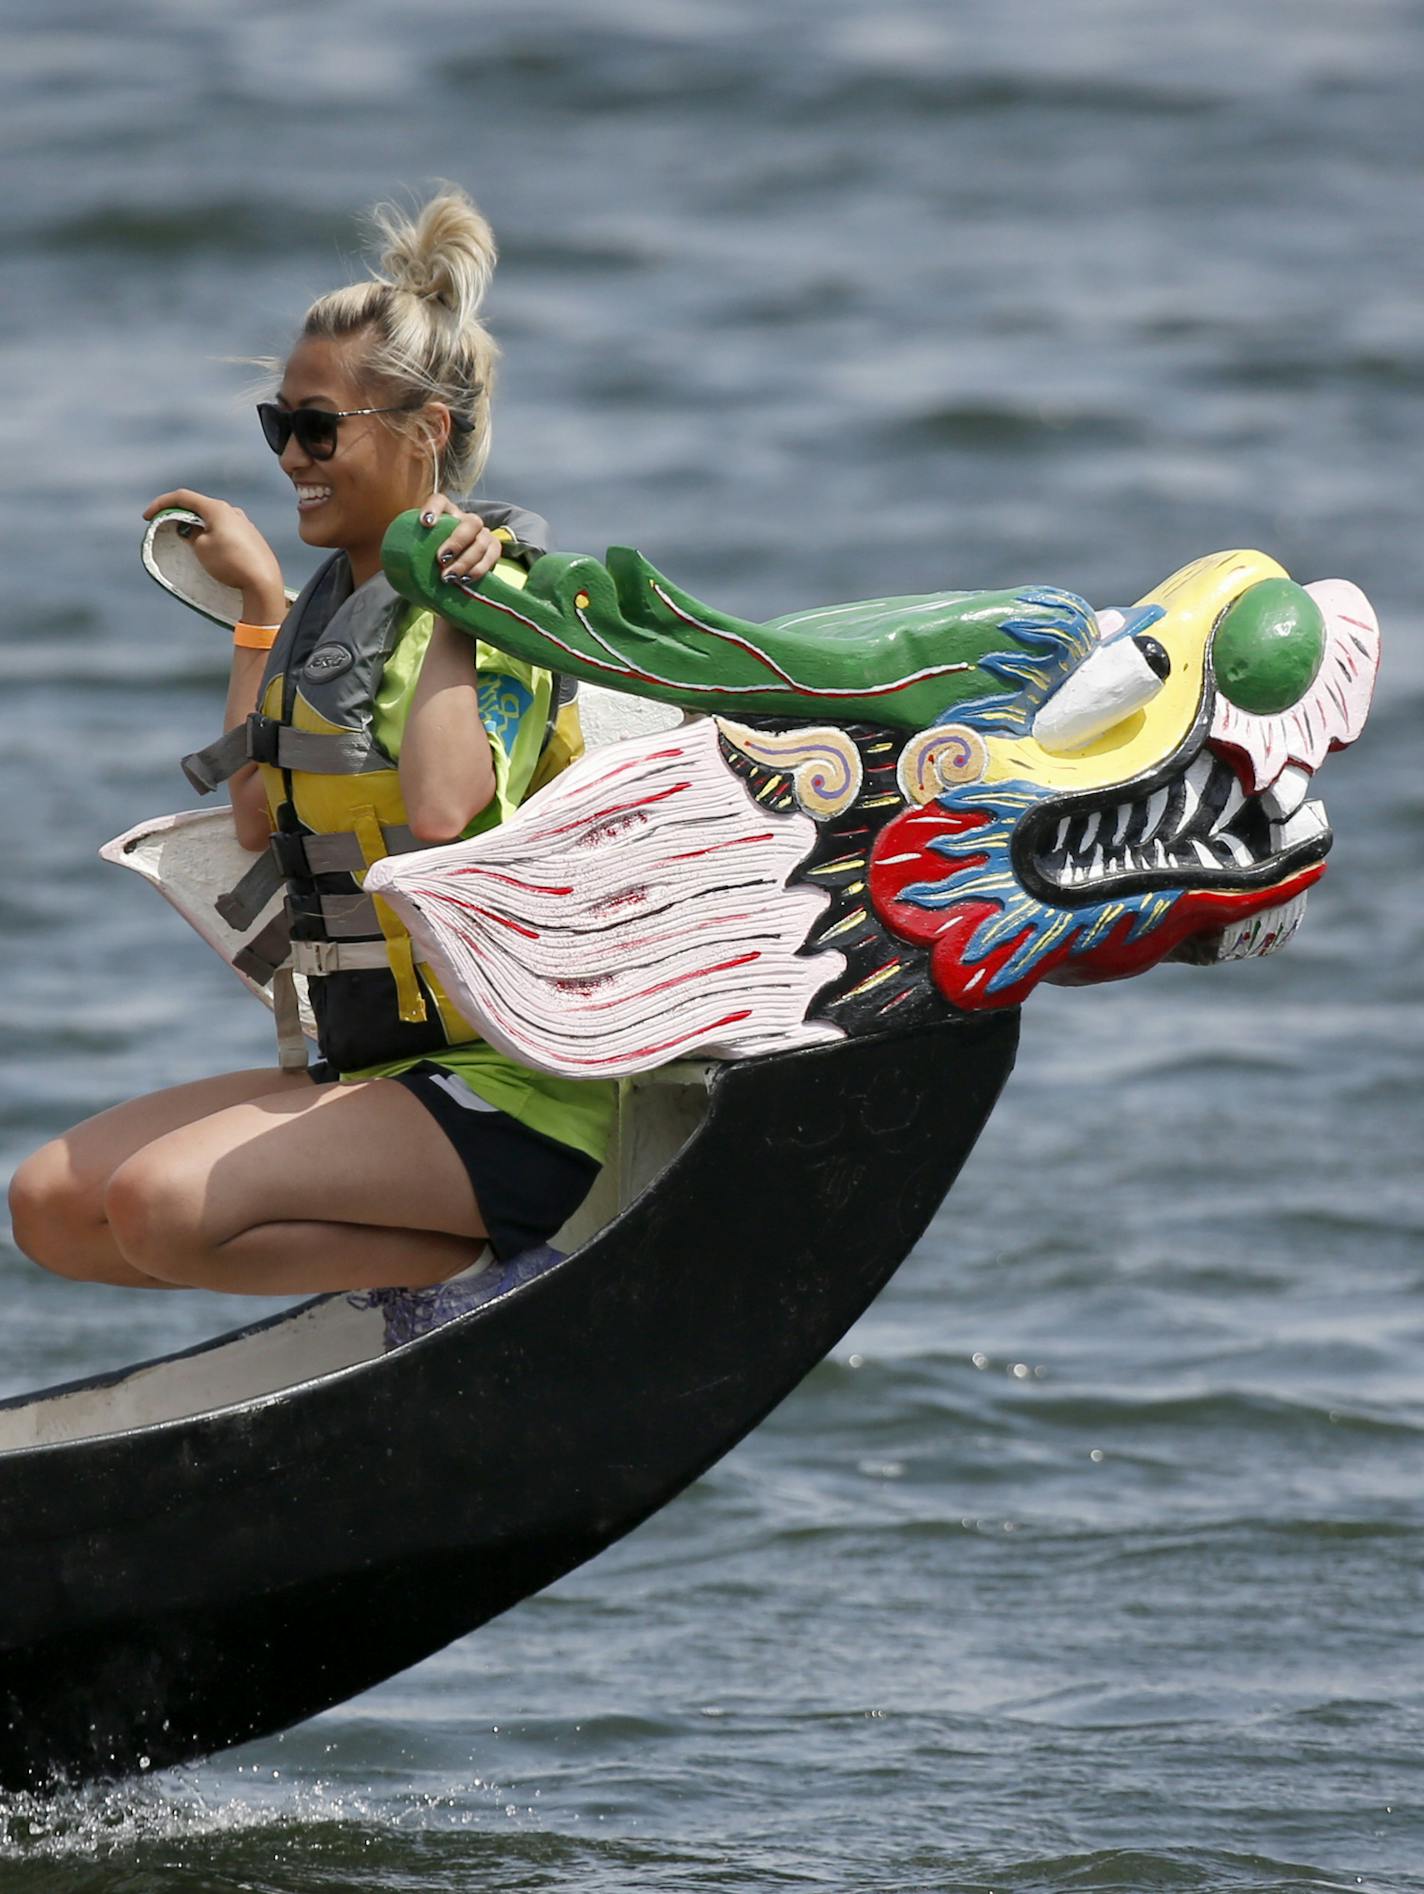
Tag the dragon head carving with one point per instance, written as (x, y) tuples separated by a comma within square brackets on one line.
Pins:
[(1157, 800), (969, 792)]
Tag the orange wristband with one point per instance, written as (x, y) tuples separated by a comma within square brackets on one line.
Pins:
[(254, 637)]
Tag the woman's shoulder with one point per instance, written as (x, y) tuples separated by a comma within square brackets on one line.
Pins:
[(527, 531)]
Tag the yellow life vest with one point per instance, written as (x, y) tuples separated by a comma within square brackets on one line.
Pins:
[(335, 800)]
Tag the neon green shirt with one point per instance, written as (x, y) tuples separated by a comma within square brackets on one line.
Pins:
[(514, 708)]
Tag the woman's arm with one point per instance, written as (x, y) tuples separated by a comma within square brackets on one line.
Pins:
[(250, 815), (231, 549), (446, 770)]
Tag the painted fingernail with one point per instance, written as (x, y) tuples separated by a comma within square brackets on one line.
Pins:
[(452, 578), (427, 519), (446, 557)]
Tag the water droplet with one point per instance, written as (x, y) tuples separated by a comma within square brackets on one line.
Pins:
[(1021, 1371), (1096, 1455), (857, 1361), (144, 1763), (980, 1361)]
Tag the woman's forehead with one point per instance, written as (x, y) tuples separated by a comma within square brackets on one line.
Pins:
[(326, 370)]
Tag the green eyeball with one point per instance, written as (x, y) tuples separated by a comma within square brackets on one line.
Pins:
[(1269, 647)]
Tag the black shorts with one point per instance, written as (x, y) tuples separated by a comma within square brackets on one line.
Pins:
[(525, 1184)]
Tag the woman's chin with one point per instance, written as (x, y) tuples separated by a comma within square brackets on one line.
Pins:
[(319, 527)]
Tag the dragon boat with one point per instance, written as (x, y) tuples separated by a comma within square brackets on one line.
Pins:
[(793, 897)]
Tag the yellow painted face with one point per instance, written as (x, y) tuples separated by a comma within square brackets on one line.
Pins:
[(1154, 802), (1193, 600)]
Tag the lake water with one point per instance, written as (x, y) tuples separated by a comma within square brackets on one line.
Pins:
[(1092, 1557)]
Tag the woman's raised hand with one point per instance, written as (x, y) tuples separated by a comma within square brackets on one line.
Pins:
[(232, 551), (471, 550)]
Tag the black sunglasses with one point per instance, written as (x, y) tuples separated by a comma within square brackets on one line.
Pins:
[(315, 428)]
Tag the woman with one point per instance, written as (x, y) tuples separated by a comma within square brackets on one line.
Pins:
[(413, 1141)]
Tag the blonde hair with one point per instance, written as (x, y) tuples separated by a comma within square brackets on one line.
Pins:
[(419, 312)]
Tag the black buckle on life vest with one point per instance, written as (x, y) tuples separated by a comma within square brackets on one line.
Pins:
[(290, 854), (262, 733)]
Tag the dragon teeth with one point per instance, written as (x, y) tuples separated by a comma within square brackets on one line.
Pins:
[(1286, 794), (1235, 802), (1156, 809), (1193, 786), (1087, 847), (1308, 822)]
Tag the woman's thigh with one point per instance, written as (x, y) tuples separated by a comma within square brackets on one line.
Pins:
[(362, 1153), (72, 1172)]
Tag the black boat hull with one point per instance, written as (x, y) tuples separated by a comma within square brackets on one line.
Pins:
[(180, 1587)]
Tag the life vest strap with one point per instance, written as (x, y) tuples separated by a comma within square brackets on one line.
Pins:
[(243, 902), (320, 957), (410, 1001), (267, 740), (291, 1040), (262, 956), (343, 853), (299, 858), (339, 916)]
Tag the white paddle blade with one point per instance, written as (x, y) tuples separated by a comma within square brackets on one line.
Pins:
[(169, 557), (192, 859)]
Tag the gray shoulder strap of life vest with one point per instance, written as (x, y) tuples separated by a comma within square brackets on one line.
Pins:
[(530, 531)]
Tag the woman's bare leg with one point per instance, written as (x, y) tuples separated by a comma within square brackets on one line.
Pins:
[(57, 1195), (318, 1188)]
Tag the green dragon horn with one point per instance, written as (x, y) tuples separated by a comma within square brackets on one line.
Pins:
[(905, 662)]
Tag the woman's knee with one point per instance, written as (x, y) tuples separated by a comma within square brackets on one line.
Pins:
[(154, 1217), (53, 1211)]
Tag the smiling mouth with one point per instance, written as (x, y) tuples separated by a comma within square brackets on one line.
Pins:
[(308, 498), (1194, 829)]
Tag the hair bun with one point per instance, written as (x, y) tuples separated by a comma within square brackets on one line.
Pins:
[(446, 254), (416, 326)]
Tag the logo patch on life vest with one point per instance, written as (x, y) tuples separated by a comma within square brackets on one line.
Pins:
[(327, 661)]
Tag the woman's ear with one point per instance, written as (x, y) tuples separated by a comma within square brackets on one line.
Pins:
[(439, 425)]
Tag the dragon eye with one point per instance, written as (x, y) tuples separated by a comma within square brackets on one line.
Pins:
[(1269, 647)]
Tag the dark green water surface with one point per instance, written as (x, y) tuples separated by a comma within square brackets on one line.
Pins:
[(1091, 1558)]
